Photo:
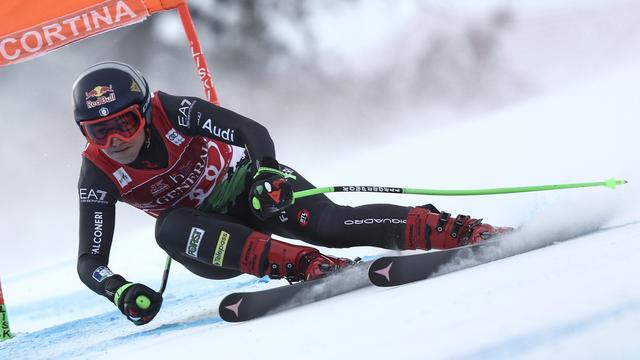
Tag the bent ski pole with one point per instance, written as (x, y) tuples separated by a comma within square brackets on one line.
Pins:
[(610, 183)]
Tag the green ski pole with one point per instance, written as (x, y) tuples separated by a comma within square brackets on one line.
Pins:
[(611, 183)]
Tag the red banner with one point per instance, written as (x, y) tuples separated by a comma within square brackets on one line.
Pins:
[(58, 31)]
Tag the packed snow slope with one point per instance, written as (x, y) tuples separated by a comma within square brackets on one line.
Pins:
[(575, 299)]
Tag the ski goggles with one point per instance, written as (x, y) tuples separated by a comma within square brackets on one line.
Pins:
[(124, 125)]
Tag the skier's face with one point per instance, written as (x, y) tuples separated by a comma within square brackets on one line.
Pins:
[(125, 152)]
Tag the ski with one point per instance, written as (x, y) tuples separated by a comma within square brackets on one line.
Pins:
[(390, 271), (403, 269), (243, 306)]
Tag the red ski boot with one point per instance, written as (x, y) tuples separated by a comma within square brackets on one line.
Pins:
[(276, 259), (428, 228)]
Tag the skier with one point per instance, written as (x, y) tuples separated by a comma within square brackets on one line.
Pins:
[(211, 178)]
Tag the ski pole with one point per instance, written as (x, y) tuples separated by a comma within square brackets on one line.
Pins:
[(610, 183), (165, 275), (143, 301)]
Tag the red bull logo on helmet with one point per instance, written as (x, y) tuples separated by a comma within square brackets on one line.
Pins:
[(100, 95)]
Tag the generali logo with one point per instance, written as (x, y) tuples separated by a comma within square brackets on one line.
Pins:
[(39, 39)]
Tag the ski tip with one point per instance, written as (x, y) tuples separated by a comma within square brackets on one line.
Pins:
[(229, 308)]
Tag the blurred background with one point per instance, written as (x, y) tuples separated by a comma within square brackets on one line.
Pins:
[(326, 77)]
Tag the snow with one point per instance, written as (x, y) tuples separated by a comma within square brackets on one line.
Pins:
[(577, 299)]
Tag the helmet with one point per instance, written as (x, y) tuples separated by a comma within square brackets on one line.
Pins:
[(108, 88)]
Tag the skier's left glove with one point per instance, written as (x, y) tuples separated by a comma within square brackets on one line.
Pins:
[(138, 302), (270, 192)]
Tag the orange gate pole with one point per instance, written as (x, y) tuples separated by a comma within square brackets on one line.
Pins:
[(196, 52)]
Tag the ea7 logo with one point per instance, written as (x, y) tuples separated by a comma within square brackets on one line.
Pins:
[(91, 195), (184, 116), (193, 244)]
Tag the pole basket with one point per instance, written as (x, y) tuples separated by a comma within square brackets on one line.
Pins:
[(5, 331)]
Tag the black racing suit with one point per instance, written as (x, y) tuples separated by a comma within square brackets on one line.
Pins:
[(314, 219)]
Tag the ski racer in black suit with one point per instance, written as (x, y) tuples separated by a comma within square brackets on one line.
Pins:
[(211, 178)]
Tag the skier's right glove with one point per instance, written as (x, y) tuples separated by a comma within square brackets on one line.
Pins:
[(138, 302)]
